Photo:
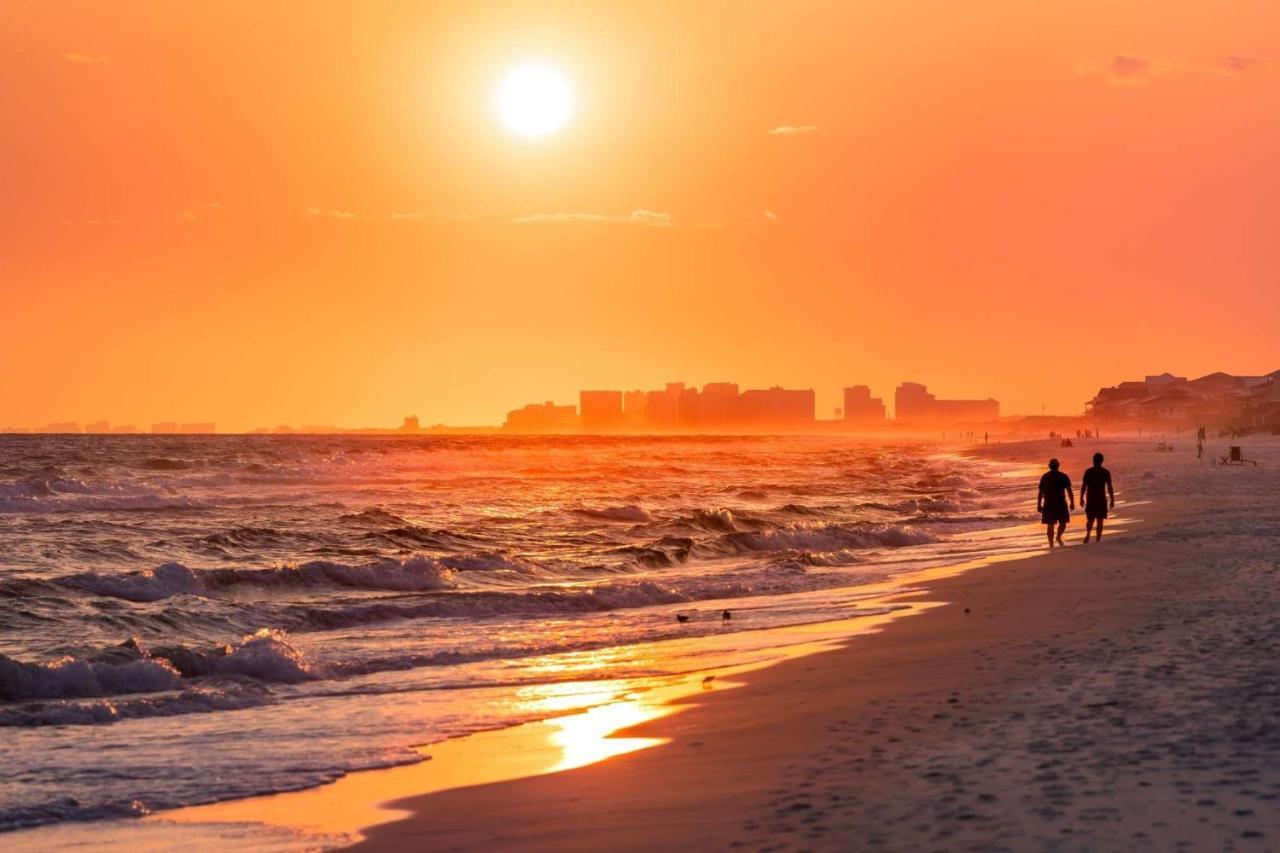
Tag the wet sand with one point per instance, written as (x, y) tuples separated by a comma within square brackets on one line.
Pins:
[(1119, 695)]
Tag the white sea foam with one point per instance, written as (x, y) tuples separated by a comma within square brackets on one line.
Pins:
[(70, 677)]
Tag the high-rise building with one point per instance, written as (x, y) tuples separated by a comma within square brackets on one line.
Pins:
[(861, 408), (913, 404), (662, 408), (545, 417), (718, 405), (634, 407), (601, 410), (777, 408)]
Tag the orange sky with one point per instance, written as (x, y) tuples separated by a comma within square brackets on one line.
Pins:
[(199, 209)]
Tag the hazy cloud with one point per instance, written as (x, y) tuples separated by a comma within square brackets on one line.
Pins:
[(405, 217), (83, 58), (637, 217), (1122, 67), (792, 129), (332, 214), (1239, 63), (190, 216), (771, 216), (92, 221)]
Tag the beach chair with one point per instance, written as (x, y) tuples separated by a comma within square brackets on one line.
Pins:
[(1235, 456)]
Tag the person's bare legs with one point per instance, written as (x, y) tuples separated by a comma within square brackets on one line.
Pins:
[(1098, 536), (1088, 527), (1062, 525), (1049, 529)]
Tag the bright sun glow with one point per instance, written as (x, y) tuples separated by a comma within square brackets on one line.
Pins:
[(534, 100)]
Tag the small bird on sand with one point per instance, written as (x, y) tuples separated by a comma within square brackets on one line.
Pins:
[(680, 617), (726, 616), (708, 679), (966, 611)]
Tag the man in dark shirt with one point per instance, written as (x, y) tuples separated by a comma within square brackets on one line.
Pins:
[(1095, 489), (1051, 502)]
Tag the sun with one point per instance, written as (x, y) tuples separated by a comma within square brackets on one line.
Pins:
[(534, 100)]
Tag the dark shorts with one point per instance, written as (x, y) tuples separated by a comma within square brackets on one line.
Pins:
[(1095, 512), (1055, 514)]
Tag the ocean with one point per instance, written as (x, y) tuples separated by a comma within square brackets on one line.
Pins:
[(188, 619)]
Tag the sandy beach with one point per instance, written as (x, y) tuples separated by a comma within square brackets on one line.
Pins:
[(1117, 696)]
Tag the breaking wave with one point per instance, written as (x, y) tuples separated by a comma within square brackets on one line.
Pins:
[(265, 656), (826, 537), (416, 574)]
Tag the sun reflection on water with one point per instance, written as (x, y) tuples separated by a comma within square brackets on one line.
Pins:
[(589, 737)]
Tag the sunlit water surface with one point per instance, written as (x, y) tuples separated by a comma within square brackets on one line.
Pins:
[(194, 619)]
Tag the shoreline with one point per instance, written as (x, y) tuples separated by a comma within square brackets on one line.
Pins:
[(1058, 701), (349, 807), (796, 753)]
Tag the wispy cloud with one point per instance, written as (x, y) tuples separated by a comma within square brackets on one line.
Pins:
[(1240, 63), (406, 217), (331, 214), (636, 217), (791, 129), (191, 216), (1124, 69), (93, 222), (82, 58), (1130, 69), (771, 216)]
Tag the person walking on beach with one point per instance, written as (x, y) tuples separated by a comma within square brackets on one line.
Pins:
[(1096, 493), (1051, 502)]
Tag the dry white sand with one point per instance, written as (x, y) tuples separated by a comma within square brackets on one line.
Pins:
[(1115, 696)]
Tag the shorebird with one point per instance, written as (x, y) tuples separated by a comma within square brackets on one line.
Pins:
[(726, 616), (680, 617)]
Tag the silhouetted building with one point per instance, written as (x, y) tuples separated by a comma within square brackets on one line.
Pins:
[(98, 427), (635, 404), (777, 408), (861, 408), (1216, 399), (124, 429), (662, 408), (718, 406), (63, 427), (913, 404), (410, 424), (547, 417), (601, 410), (171, 428)]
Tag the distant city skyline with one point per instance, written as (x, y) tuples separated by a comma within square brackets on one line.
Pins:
[(1214, 397)]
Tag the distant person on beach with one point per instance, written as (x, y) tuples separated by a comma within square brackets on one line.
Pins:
[(1051, 502), (1096, 494)]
